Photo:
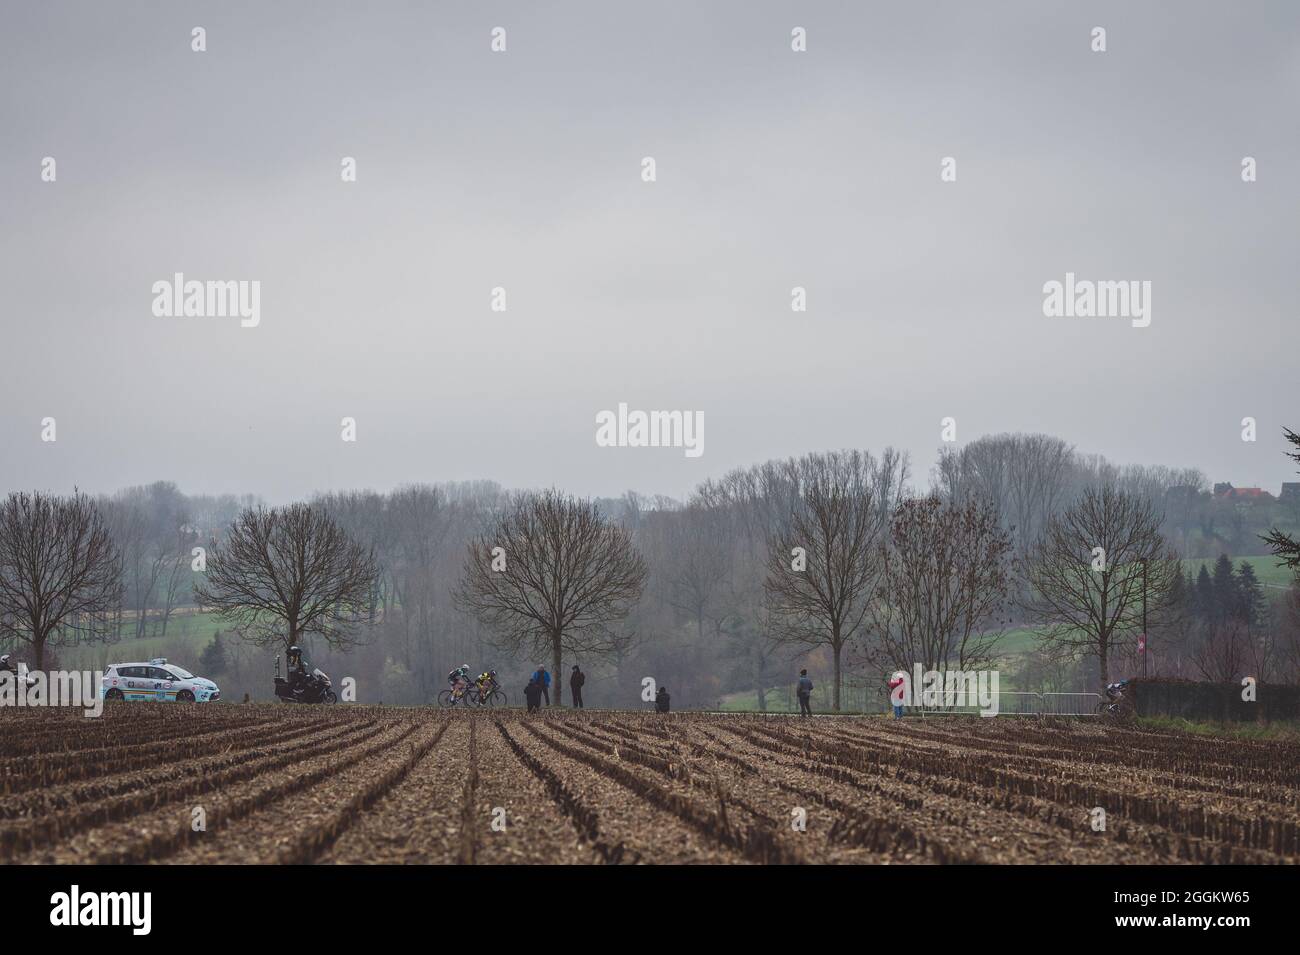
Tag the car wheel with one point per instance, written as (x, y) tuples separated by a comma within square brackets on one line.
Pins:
[(114, 694), (184, 696)]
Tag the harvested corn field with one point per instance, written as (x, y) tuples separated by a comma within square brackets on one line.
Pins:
[(273, 784)]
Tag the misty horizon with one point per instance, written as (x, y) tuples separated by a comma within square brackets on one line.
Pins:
[(920, 481)]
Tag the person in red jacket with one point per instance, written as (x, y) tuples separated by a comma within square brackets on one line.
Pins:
[(895, 695)]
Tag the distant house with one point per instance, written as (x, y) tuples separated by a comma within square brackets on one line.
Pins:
[(1224, 491), (1248, 495)]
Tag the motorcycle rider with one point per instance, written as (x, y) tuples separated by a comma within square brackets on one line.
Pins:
[(297, 668), (7, 663)]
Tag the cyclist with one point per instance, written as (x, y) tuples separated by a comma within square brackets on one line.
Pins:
[(459, 679), (1116, 704), (487, 682), (1115, 691)]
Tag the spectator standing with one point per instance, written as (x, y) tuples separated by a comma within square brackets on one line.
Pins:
[(544, 681), (533, 695), (805, 693), (576, 679), (895, 695), (661, 700)]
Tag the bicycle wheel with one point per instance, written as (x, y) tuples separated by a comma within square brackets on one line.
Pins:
[(446, 700), (471, 697), (497, 698)]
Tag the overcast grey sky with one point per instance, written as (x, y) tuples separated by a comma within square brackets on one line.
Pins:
[(523, 170)]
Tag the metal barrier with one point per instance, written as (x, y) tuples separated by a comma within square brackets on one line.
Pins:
[(856, 699), (1021, 703), (1071, 704)]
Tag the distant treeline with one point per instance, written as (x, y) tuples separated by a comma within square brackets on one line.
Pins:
[(725, 606)]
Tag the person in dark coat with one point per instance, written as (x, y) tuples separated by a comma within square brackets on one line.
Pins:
[(576, 679), (661, 700), (544, 681), (533, 695), (805, 693)]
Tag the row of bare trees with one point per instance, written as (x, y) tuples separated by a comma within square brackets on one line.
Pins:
[(829, 553), (936, 580)]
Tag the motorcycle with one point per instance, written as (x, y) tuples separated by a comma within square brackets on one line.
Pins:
[(19, 674), (313, 687)]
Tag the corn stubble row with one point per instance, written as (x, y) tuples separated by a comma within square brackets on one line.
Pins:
[(354, 784)]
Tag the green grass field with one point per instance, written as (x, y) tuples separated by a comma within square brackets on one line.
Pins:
[(1010, 646), (193, 630)]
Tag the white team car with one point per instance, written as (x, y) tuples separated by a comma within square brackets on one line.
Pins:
[(156, 680)]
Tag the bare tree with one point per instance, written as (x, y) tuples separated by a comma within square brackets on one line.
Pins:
[(698, 557), (1221, 649), (821, 595), (177, 581), (1022, 476), (283, 574), (422, 566), (60, 572), (946, 570), (563, 575), (1086, 574)]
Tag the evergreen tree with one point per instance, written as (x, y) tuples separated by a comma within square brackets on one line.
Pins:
[(1203, 596), (1179, 591), (1251, 605), (213, 659), (1226, 599)]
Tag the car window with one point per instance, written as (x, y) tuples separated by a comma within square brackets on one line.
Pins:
[(131, 671), (158, 673), (180, 673)]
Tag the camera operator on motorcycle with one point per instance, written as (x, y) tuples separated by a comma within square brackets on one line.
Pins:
[(297, 667), (303, 683), (7, 663)]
